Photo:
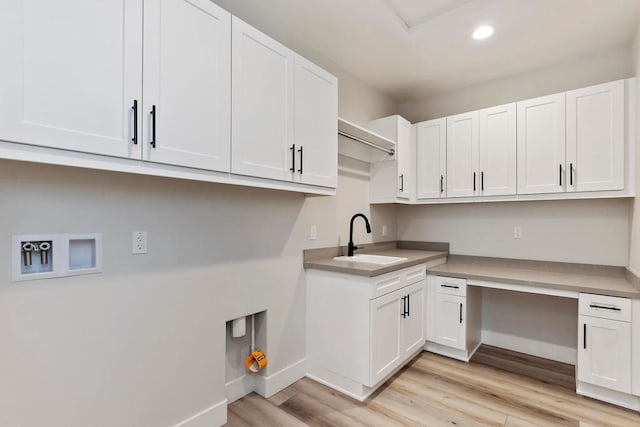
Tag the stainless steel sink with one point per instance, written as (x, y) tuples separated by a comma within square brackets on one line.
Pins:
[(371, 259)]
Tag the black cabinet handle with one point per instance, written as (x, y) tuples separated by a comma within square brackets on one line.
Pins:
[(293, 158), (404, 307), (584, 336), (153, 126), (570, 173), (482, 180), (474, 181), (408, 305), (605, 307), (460, 312), (301, 154), (560, 174), (134, 107), (401, 182), (450, 286), (441, 184)]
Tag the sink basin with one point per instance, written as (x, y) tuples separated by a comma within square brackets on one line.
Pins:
[(371, 259)]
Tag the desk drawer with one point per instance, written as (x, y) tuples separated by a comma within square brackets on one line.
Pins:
[(451, 286), (605, 307)]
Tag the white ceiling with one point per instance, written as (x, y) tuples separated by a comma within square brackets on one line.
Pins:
[(414, 48)]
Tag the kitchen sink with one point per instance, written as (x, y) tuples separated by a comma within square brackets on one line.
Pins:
[(371, 259)]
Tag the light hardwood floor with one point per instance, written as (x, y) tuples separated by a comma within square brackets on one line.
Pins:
[(497, 388)]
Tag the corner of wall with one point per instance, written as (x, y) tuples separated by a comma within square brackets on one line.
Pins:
[(634, 215)]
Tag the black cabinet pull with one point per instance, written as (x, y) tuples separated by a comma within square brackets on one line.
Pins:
[(570, 173), (153, 126), (450, 286), (584, 336), (460, 312), (560, 174), (134, 107), (482, 180), (301, 154), (293, 158), (408, 305), (474, 181), (605, 307), (404, 307), (401, 182), (441, 184)]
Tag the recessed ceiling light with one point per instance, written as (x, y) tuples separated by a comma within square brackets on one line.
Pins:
[(483, 32)]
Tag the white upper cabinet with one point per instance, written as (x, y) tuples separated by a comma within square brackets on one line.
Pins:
[(431, 165), (405, 159), (541, 145), (70, 73), (595, 138), (316, 125), (395, 177), (497, 166), (462, 155), (262, 108), (187, 84)]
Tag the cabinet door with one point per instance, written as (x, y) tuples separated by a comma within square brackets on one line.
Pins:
[(262, 104), (413, 322), (604, 353), (187, 82), (386, 312), (450, 321), (498, 150), (405, 158), (69, 74), (462, 155), (541, 145), (431, 149), (316, 124), (595, 138)]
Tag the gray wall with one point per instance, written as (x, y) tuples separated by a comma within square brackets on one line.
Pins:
[(143, 343), (575, 73), (583, 231)]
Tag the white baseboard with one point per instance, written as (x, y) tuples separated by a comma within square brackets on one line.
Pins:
[(615, 397), (453, 353), (239, 388), (337, 382), (272, 384), (542, 349), (215, 415)]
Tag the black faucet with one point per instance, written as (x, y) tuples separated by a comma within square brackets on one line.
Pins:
[(352, 247)]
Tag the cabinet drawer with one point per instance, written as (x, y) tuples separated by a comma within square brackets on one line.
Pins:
[(451, 286), (394, 280), (605, 307)]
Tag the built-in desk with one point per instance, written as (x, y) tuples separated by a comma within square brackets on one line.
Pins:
[(539, 277), (581, 314)]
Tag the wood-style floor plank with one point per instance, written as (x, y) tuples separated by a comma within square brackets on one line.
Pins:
[(497, 388)]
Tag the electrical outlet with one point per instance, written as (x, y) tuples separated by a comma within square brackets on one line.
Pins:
[(139, 242), (517, 232), (313, 232), (384, 230)]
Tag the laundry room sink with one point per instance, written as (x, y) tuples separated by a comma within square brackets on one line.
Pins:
[(371, 259)]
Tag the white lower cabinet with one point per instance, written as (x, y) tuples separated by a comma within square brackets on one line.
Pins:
[(604, 355), (604, 344), (450, 326), (362, 329), (453, 317)]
